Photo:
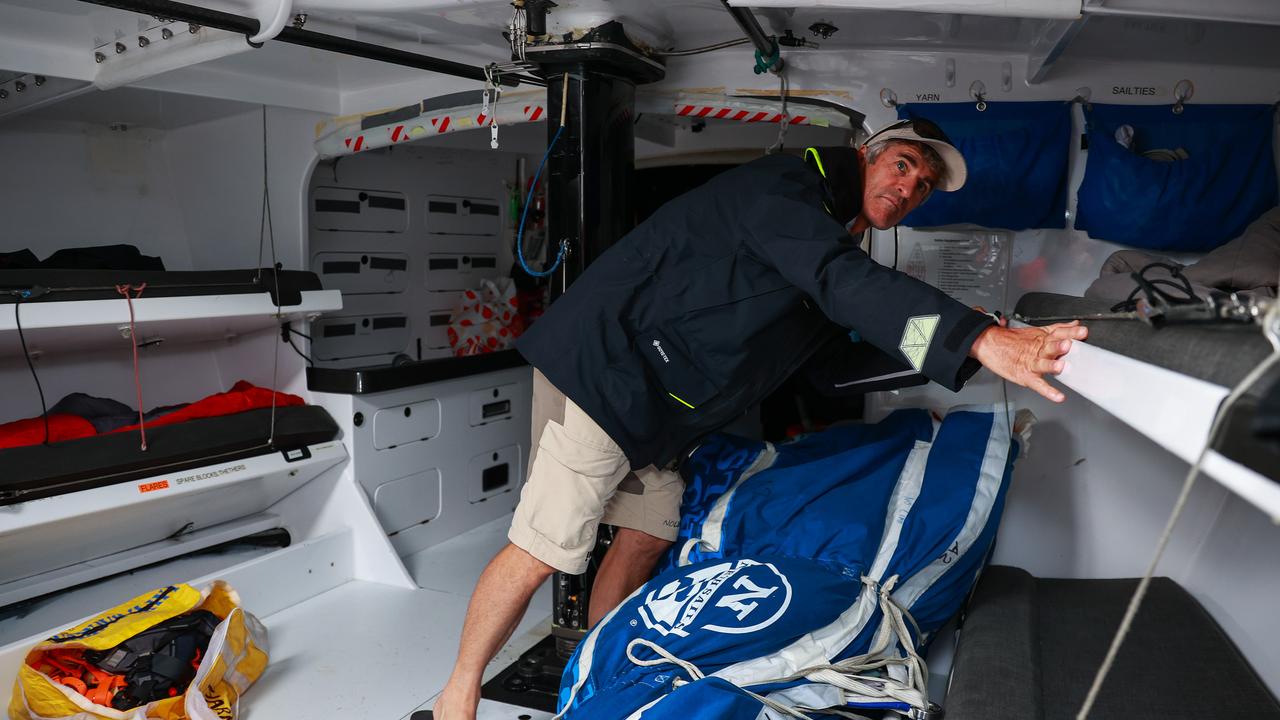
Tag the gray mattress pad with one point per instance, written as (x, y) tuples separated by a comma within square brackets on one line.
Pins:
[(1219, 353)]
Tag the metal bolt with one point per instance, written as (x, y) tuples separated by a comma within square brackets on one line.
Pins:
[(193, 28), (99, 58), (4, 94), (120, 48), (19, 86), (299, 20), (166, 33), (143, 41), (40, 80)]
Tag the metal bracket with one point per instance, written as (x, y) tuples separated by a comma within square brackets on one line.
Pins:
[(1182, 92), (492, 84), (978, 91)]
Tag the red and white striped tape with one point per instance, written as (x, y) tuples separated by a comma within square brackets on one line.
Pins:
[(719, 112), (440, 124)]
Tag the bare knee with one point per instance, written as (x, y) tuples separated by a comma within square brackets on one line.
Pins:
[(515, 563), (638, 544)]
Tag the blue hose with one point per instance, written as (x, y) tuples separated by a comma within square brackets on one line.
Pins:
[(525, 214)]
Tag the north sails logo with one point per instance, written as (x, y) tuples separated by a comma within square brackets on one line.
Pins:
[(658, 346), (736, 597)]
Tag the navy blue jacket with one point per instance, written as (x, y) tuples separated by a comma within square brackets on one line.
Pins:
[(703, 309)]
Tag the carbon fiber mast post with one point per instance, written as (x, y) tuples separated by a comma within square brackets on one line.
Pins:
[(589, 179)]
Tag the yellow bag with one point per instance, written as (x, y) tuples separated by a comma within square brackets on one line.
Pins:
[(235, 658)]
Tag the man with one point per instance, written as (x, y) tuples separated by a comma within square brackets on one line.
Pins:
[(693, 317)]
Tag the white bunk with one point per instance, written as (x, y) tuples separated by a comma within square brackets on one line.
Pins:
[(101, 323), (146, 512), (1173, 409)]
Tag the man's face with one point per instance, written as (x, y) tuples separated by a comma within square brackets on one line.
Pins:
[(895, 184)]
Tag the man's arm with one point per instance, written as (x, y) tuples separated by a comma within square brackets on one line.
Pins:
[(904, 317)]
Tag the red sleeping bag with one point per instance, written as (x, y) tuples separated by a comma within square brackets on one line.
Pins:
[(241, 397), (31, 430)]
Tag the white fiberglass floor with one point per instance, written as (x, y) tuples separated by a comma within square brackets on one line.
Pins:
[(369, 651)]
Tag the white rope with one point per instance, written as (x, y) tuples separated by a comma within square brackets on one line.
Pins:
[(849, 674), (1178, 506), (664, 657)]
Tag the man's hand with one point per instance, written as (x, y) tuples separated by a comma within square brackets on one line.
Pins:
[(1025, 355), (457, 702)]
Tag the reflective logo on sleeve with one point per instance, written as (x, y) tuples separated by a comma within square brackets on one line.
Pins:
[(916, 337)]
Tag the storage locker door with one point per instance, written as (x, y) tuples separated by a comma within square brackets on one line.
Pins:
[(493, 404), (352, 336), (453, 271), (404, 424), (493, 473), (448, 215), (435, 336), (338, 208), (408, 501), (357, 273)]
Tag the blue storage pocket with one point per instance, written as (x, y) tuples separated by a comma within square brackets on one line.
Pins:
[(1227, 179), (1016, 154)]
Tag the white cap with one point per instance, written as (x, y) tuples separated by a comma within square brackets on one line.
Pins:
[(926, 132)]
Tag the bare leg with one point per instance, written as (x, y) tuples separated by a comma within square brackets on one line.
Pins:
[(499, 601), (626, 566)]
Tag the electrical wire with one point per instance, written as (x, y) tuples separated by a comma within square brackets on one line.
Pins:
[(704, 49), (300, 353), (895, 247), (17, 320), (564, 245), (525, 214), (288, 329)]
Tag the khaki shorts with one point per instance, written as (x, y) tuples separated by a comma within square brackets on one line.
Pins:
[(578, 478)]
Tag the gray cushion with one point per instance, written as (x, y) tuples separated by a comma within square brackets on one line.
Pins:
[(997, 662), (1048, 637), (1221, 354)]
